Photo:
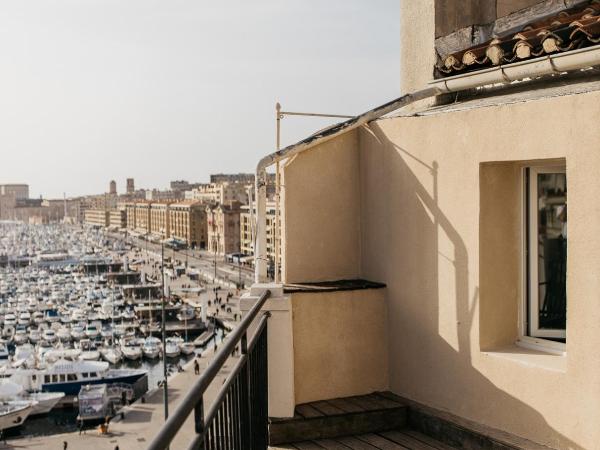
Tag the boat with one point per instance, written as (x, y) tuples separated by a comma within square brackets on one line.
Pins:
[(151, 347), (44, 401), (20, 337), (92, 331), (131, 349), (172, 349), (89, 352), (14, 413), (69, 376), (111, 354), (63, 334), (34, 335), (78, 332), (187, 348), (49, 336)]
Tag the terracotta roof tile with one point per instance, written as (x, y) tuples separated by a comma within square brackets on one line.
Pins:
[(568, 30)]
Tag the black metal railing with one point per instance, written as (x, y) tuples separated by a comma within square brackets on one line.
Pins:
[(237, 417)]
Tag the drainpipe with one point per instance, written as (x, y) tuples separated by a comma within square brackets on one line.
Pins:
[(546, 65)]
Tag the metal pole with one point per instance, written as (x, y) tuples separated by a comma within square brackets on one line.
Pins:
[(164, 334)]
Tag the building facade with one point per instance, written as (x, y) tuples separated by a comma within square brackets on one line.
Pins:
[(246, 231), (223, 228), (222, 192), (187, 221), (142, 217), (117, 219), (130, 186), (19, 191), (159, 219), (97, 218)]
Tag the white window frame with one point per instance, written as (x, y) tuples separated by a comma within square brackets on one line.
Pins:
[(539, 341)]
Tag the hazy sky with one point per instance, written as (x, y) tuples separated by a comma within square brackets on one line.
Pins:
[(93, 90)]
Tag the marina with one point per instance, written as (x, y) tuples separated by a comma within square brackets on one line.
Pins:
[(80, 328)]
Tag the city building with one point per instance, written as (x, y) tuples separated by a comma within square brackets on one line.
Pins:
[(142, 217), (223, 228), (130, 186), (112, 188), (19, 191), (182, 185), (242, 178), (156, 195), (130, 214), (222, 192), (187, 222), (425, 252), (117, 219), (159, 219), (97, 218), (246, 231)]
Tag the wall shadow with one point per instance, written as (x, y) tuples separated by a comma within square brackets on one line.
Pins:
[(405, 240)]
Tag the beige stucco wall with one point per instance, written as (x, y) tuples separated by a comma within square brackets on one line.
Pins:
[(321, 213), (429, 203), (338, 349), (417, 54)]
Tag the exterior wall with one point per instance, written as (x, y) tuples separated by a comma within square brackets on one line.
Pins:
[(223, 225), (188, 222), (19, 191), (339, 344), (441, 227), (321, 216), (417, 54), (159, 219), (246, 242), (505, 7), (451, 15), (118, 218), (130, 211), (142, 217)]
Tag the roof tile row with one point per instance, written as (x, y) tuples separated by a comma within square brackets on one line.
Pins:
[(567, 30)]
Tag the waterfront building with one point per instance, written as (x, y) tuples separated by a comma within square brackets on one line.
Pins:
[(117, 219), (223, 228), (142, 217), (97, 217), (130, 210), (187, 221), (159, 219)]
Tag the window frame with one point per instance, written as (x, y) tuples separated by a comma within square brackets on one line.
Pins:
[(527, 231)]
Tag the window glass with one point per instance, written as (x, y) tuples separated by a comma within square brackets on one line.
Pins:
[(547, 253), (552, 252)]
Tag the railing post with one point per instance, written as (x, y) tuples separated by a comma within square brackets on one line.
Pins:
[(199, 420)]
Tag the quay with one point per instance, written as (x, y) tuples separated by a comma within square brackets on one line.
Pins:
[(142, 419)]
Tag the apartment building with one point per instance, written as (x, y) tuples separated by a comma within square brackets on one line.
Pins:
[(18, 191), (117, 219), (130, 210), (223, 228), (159, 219), (246, 238), (97, 217), (143, 223), (187, 222), (222, 192)]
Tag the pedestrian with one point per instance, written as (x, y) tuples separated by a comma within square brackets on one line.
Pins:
[(65, 445), (196, 367), (81, 429)]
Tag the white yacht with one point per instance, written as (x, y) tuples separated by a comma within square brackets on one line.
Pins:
[(131, 349), (151, 347), (172, 349), (49, 336)]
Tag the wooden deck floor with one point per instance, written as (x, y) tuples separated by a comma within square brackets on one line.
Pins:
[(389, 440)]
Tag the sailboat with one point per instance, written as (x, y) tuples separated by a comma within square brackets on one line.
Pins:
[(187, 348)]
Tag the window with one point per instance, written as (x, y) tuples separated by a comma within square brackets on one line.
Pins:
[(546, 250)]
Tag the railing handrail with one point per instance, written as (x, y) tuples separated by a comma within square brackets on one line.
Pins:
[(187, 405)]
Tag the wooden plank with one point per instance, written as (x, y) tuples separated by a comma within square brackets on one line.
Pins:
[(380, 442), (366, 401), (327, 408), (389, 402), (307, 445), (308, 411), (356, 444), (331, 444), (427, 439), (406, 440), (345, 405)]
